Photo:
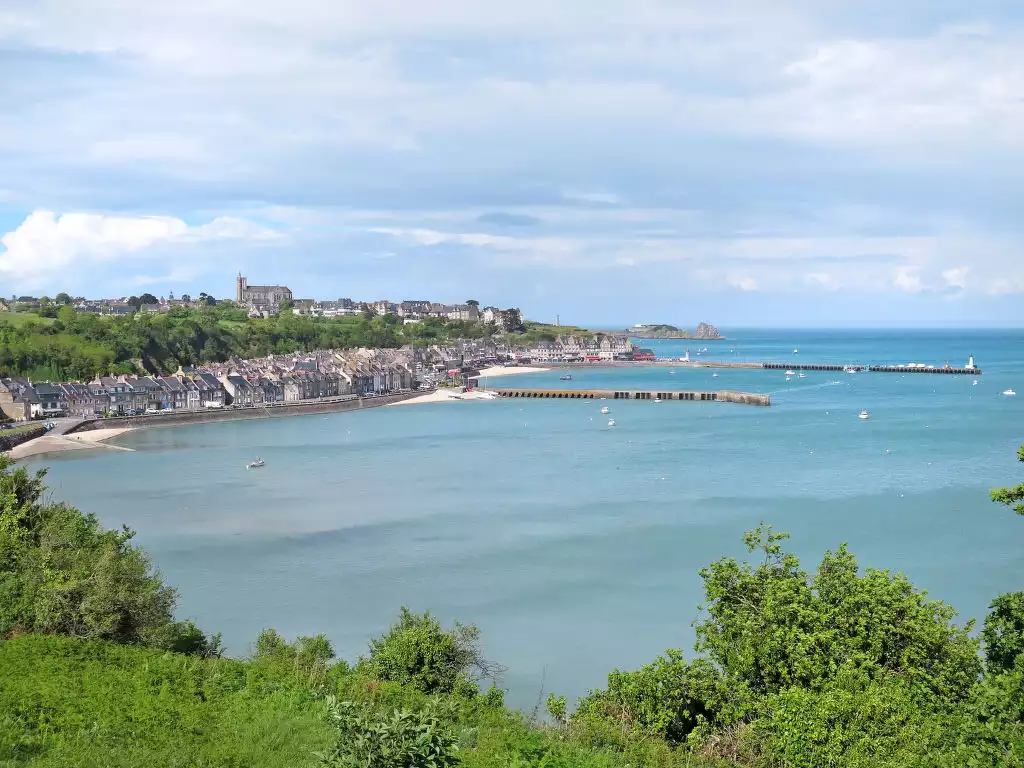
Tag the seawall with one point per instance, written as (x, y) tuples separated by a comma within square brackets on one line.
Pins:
[(177, 418), (9, 441)]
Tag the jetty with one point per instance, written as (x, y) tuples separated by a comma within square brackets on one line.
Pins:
[(723, 396), (968, 370)]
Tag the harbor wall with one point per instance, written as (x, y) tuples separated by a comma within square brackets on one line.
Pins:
[(177, 418)]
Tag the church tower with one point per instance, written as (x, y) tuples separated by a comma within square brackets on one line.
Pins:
[(241, 284)]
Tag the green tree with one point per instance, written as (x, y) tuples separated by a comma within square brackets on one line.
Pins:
[(1003, 635), (147, 298), (1012, 497), (773, 626), (418, 651), (62, 298), (61, 573), (285, 304)]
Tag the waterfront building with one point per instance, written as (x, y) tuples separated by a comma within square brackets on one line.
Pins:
[(16, 398), (53, 400)]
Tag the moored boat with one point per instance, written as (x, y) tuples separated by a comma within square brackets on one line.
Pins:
[(255, 464)]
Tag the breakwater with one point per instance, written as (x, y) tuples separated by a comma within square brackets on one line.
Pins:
[(723, 396), (176, 418)]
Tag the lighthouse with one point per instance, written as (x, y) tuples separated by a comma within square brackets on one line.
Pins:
[(970, 363)]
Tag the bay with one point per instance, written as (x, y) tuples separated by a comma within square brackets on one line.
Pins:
[(575, 547)]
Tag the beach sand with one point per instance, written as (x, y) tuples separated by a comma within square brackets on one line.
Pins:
[(509, 370), (76, 442), (443, 396)]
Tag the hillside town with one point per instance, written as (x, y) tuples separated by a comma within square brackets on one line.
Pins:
[(295, 378), (301, 376)]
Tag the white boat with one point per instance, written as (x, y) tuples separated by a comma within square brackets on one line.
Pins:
[(611, 422), (255, 464), (656, 400), (864, 415), (796, 351), (791, 373), (714, 375), (788, 378), (974, 383), (672, 372), (1009, 393), (803, 375), (605, 409)]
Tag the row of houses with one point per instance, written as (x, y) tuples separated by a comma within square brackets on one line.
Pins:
[(242, 383), (572, 348)]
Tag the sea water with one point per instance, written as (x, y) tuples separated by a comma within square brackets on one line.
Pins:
[(576, 547)]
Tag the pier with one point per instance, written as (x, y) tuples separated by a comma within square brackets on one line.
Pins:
[(724, 396), (965, 371)]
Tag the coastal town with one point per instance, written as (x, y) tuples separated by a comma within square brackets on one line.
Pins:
[(301, 377)]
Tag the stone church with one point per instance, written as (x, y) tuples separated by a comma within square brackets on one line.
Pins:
[(260, 298)]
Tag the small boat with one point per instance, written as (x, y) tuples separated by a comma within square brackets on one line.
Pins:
[(974, 383), (791, 373), (864, 415), (611, 422), (788, 378), (255, 464), (796, 351), (1009, 393), (566, 377), (656, 400), (605, 409), (714, 375), (672, 372), (803, 375)]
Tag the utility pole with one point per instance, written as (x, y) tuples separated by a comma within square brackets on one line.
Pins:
[(558, 320)]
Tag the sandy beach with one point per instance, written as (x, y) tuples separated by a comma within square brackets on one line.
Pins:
[(509, 370), (76, 442), (444, 396)]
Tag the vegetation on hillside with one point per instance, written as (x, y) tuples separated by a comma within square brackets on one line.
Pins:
[(70, 345), (831, 667), (533, 333)]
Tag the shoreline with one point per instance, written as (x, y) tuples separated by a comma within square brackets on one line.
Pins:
[(93, 434), (91, 439)]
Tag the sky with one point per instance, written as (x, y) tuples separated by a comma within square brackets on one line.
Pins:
[(747, 163)]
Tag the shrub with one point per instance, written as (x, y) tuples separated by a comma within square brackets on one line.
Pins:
[(369, 737), (418, 652)]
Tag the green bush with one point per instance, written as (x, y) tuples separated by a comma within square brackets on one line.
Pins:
[(418, 652), (1004, 631), (62, 574), (369, 737)]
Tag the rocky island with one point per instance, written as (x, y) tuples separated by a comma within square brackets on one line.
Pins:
[(704, 332)]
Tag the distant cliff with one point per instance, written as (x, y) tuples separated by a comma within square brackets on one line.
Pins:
[(704, 332)]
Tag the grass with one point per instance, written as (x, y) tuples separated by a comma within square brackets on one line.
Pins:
[(71, 703), (81, 704), (19, 319)]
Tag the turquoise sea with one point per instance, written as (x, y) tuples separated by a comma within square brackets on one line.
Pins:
[(575, 547)]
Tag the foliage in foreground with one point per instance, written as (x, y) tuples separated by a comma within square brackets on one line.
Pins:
[(61, 573), (833, 667)]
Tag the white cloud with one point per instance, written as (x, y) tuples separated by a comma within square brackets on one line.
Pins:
[(743, 282), (956, 277), (908, 279), (47, 245)]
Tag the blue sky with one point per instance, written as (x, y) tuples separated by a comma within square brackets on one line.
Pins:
[(747, 163)]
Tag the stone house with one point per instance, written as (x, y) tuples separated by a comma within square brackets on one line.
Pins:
[(53, 401), (16, 399)]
